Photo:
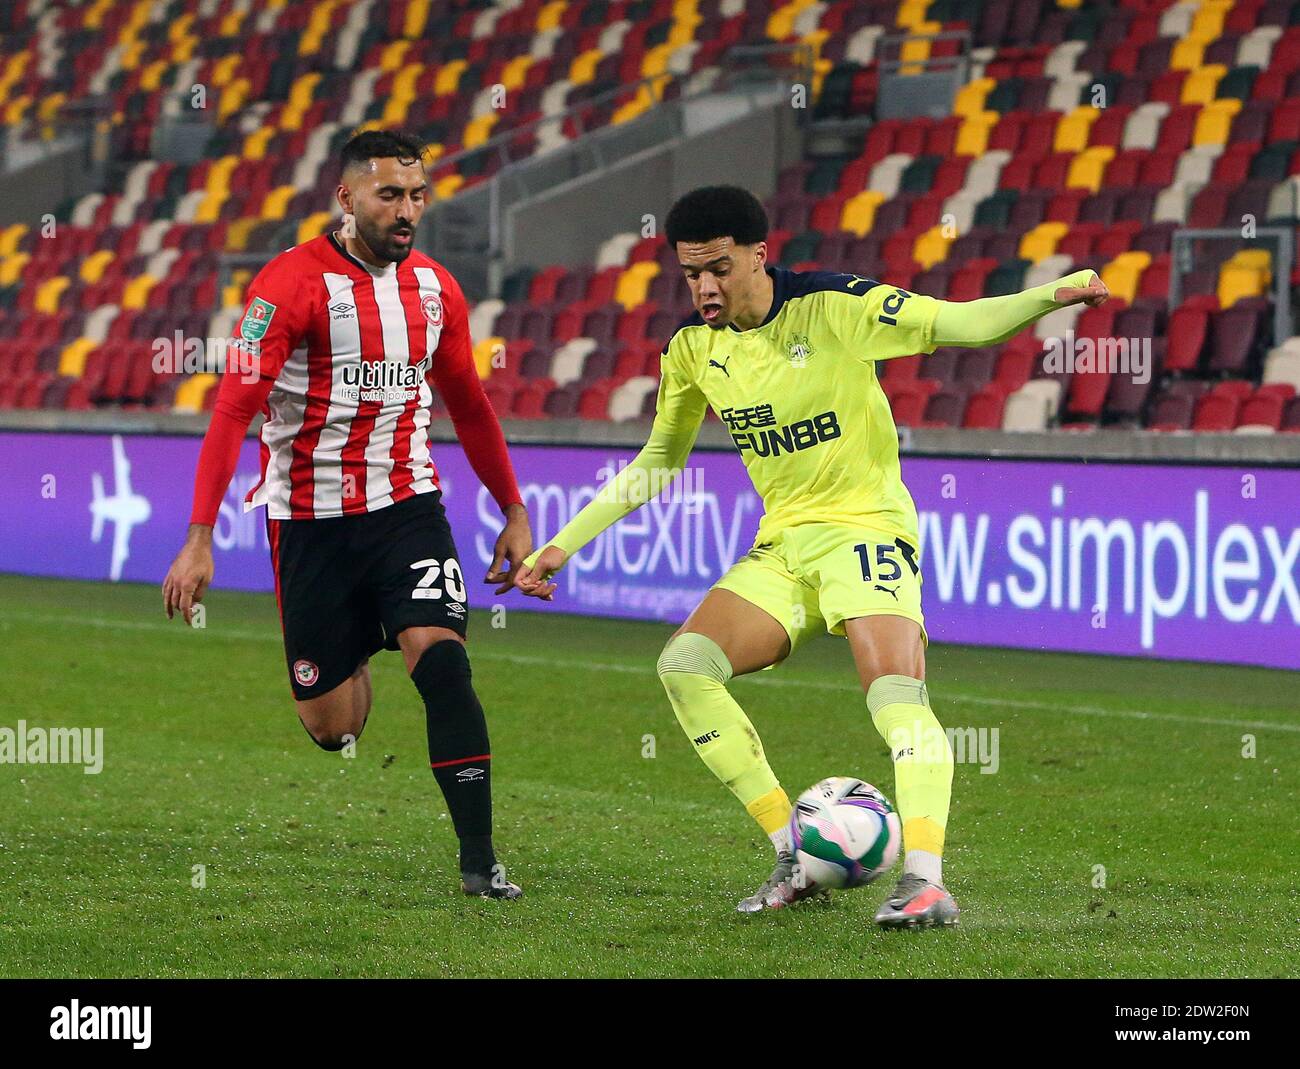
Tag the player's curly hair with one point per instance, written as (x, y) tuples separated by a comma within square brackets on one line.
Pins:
[(717, 212), (381, 144)]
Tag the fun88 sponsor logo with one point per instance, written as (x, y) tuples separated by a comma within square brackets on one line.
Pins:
[(755, 429)]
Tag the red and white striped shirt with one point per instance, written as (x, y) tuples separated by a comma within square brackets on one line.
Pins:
[(342, 355)]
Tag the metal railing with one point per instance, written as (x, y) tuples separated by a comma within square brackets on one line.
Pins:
[(471, 225), (1183, 260), (910, 88)]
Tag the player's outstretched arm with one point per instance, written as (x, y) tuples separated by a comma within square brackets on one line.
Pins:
[(678, 414), (991, 320)]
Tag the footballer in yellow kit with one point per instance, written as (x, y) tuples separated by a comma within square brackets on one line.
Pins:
[(838, 537), (787, 360)]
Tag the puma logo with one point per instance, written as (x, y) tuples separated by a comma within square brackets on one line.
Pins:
[(888, 590), (721, 367)]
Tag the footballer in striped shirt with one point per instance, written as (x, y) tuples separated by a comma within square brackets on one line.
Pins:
[(340, 345)]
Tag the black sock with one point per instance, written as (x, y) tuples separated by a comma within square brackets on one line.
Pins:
[(458, 749)]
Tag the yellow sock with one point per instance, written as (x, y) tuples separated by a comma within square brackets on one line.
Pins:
[(694, 672), (771, 810), (922, 755)]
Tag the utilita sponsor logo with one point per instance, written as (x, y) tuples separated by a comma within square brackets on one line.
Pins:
[(386, 381)]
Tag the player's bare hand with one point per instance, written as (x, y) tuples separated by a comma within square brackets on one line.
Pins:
[(1093, 294), (535, 581), (514, 543), (190, 574)]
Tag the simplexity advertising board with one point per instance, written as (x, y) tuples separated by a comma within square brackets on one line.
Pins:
[(1187, 562)]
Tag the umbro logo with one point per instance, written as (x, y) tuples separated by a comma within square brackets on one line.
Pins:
[(342, 311), (721, 367), (465, 775)]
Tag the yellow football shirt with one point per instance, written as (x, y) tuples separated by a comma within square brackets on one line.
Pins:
[(800, 397)]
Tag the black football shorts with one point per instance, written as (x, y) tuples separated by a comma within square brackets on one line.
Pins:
[(348, 585)]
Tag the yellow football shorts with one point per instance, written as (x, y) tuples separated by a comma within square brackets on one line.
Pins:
[(818, 575)]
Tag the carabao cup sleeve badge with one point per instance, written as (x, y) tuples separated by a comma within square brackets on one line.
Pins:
[(257, 319)]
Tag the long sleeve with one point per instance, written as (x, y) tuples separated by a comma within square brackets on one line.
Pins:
[(272, 325), (679, 412), (477, 426), (991, 320)]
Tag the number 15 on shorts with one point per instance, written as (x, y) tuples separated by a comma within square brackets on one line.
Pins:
[(884, 561)]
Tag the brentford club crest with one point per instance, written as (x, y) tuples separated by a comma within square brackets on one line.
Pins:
[(432, 308), (305, 673)]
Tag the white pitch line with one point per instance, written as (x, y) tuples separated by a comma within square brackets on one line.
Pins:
[(765, 679)]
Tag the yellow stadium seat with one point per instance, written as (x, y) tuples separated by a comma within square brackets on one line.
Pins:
[(135, 294), (1258, 259), (49, 292), (971, 96), (1207, 23), (479, 130), (390, 59), (973, 134), (233, 98), (1087, 168), (94, 266), (417, 19), (447, 80), (549, 17), (1040, 243), (11, 268), (634, 283), (277, 202), (515, 73), (72, 361), (911, 13), (483, 353), (1213, 122), (446, 186), (583, 68), (655, 60), (931, 247), (10, 236), (313, 226), (780, 23), (638, 105), (238, 232), (256, 142), (1072, 131), (1202, 83), (859, 212), (1187, 54), (1122, 274), (190, 393), (1236, 282)]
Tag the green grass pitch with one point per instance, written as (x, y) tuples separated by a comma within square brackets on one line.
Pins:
[(321, 865)]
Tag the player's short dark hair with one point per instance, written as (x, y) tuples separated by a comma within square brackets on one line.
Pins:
[(381, 145), (717, 212)]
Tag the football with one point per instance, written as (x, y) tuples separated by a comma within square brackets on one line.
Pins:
[(844, 832)]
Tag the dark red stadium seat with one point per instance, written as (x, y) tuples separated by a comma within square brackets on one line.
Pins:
[(985, 408), (1188, 328)]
